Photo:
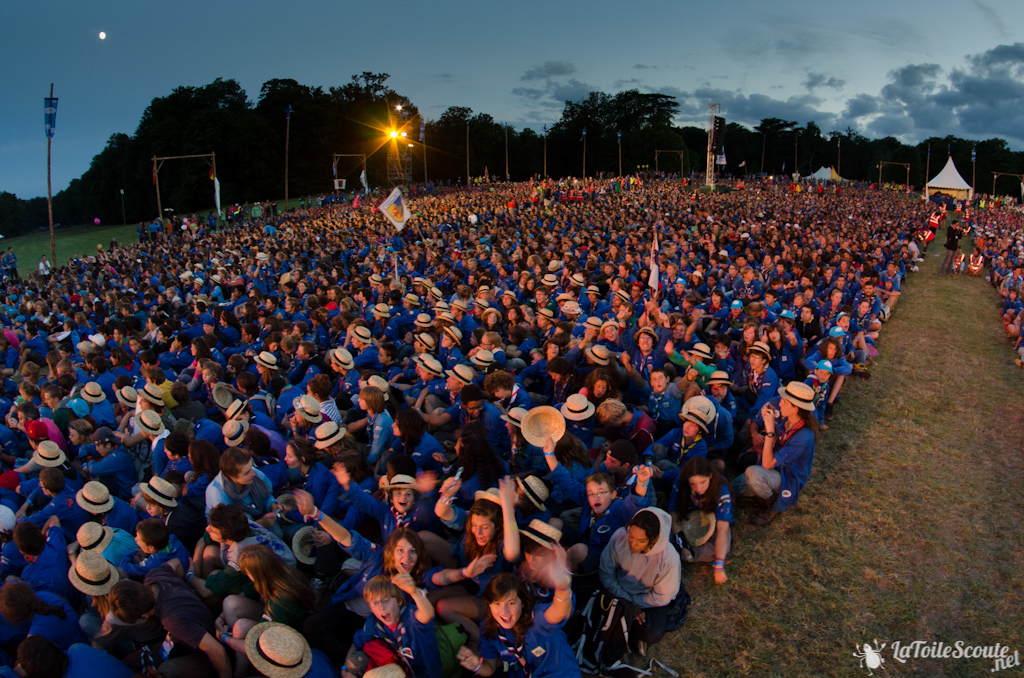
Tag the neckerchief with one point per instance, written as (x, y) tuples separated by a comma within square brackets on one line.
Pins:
[(397, 639), (684, 448), (515, 650), (402, 519), (755, 380), (784, 438)]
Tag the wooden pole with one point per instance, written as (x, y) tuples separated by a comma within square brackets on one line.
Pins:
[(545, 174), (584, 157), (620, 156), (156, 182), (49, 197), (763, 138), (506, 153), (467, 154)]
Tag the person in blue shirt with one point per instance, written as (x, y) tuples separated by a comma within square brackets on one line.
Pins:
[(313, 477), (156, 547), (62, 504), (406, 629), (115, 468), (761, 380), (700, 487), (787, 456), (45, 614), (45, 557), (412, 438), (522, 635), (380, 425), (96, 500), (40, 657)]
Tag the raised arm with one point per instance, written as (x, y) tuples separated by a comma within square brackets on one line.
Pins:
[(308, 509), (507, 494)]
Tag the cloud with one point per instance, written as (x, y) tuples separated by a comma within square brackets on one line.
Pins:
[(816, 80), (572, 90), (644, 67), (549, 69), (529, 93), (993, 18)]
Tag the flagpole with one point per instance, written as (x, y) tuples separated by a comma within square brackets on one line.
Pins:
[(584, 154), (763, 137), (545, 174), (839, 157), (506, 153), (467, 154), (620, 154), (49, 196), (287, 135), (927, 169)]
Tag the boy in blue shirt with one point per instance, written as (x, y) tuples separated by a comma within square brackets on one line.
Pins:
[(156, 547)]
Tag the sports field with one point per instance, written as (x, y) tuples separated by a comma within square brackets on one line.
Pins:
[(910, 528), (71, 243)]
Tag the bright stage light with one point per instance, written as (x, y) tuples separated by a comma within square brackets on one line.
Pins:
[(103, 36), (394, 134), (404, 135)]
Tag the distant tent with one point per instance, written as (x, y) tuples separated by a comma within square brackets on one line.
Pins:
[(826, 174), (949, 182)]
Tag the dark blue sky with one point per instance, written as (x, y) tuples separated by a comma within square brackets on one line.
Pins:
[(911, 69)]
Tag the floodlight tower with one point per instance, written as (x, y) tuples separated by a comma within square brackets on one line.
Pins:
[(399, 157), (713, 142)]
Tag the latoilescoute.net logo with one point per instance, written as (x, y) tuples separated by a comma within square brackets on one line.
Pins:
[(872, 656)]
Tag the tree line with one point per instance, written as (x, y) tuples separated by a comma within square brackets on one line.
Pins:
[(623, 129)]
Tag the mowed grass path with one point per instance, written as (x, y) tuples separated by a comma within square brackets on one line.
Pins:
[(73, 242), (911, 526)]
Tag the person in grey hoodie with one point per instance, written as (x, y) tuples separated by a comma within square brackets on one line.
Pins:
[(639, 565)]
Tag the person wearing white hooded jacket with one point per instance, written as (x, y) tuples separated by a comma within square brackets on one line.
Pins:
[(639, 565)]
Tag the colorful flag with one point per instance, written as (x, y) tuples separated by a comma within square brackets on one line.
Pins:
[(212, 176), (835, 175), (395, 209), (652, 281), (50, 115), (154, 175), (720, 160)]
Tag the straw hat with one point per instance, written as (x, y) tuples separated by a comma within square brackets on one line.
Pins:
[(427, 340), (341, 357), (153, 394), (515, 416), (798, 394), (48, 454), (222, 395), (454, 332), (411, 299), (482, 359), (383, 310), (702, 351), (327, 434), (703, 405), (234, 432), (549, 280), (234, 409), (593, 323), (697, 417), (94, 498), (424, 321), (593, 289), (599, 354), (578, 279), (127, 396), (719, 377), (400, 482), (309, 408), (645, 330), (267, 360), (386, 671), (302, 545), (149, 422), (375, 279), (610, 323), (381, 384), (542, 423), (93, 536), (160, 491), (462, 372), (431, 364), (459, 305), (698, 527), (577, 408), (92, 574), (542, 533), (446, 316), (535, 490), (490, 494), (363, 334), (572, 308), (545, 312), (762, 348), (93, 393), (436, 293), (278, 651)]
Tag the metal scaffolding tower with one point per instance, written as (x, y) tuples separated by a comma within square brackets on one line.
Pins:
[(709, 173)]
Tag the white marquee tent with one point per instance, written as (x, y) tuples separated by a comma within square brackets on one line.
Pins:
[(949, 182)]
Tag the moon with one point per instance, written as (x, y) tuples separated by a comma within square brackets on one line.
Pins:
[(103, 36)]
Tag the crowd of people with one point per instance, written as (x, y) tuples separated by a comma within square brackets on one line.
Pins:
[(308, 444)]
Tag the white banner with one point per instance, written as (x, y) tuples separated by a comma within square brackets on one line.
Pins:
[(216, 194)]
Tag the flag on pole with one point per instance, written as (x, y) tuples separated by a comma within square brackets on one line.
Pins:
[(334, 169), (619, 134), (288, 112), (154, 175), (362, 179), (974, 155), (545, 130), (584, 134), (50, 115), (216, 194), (720, 160), (423, 130), (834, 176), (395, 209), (212, 176)]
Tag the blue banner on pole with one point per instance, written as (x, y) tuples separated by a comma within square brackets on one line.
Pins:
[(584, 134), (288, 112), (50, 115), (620, 136), (974, 155), (423, 130)]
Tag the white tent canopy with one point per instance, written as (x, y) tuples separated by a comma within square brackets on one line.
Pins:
[(950, 181), (823, 174)]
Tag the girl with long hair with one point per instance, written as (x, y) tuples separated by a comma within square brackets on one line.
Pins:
[(700, 488)]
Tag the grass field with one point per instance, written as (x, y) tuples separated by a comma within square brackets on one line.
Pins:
[(910, 526)]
